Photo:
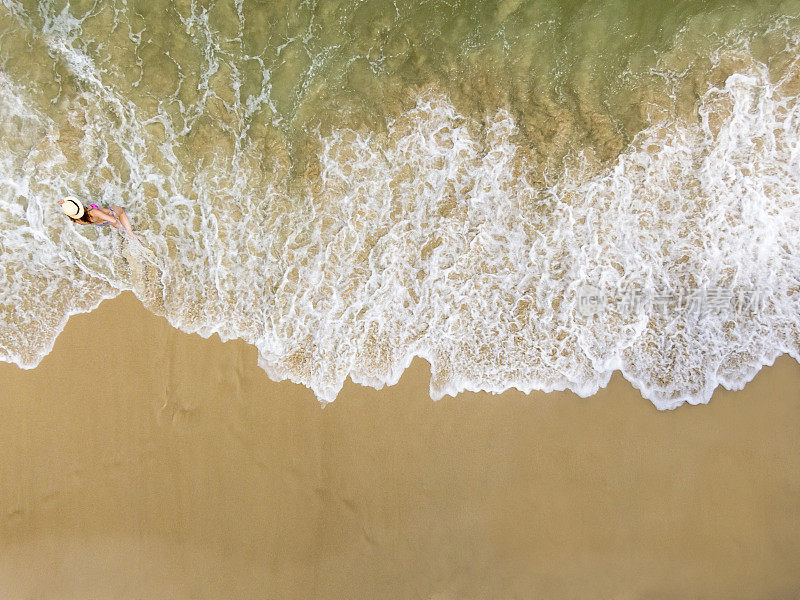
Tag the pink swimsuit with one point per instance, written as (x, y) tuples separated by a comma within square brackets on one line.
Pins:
[(105, 222)]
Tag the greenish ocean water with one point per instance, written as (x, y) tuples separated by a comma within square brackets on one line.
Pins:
[(526, 193)]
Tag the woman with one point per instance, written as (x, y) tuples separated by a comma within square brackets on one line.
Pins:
[(94, 215)]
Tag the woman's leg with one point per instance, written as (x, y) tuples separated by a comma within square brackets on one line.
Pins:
[(123, 218)]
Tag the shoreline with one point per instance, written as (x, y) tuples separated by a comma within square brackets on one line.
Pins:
[(616, 373), (200, 478)]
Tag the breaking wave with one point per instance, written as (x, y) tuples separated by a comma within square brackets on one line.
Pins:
[(443, 235)]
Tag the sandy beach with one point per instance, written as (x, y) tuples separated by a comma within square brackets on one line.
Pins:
[(527, 193), (140, 462)]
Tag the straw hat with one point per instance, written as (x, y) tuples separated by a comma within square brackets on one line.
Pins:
[(72, 207)]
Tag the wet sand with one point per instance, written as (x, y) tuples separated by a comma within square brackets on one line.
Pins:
[(140, 462)]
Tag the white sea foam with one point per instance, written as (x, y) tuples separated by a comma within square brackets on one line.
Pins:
[(437, 247), (430, 239)]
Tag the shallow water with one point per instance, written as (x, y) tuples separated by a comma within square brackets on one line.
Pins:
[(527, 194)]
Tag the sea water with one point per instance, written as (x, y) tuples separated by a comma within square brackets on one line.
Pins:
[(526, 193)]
